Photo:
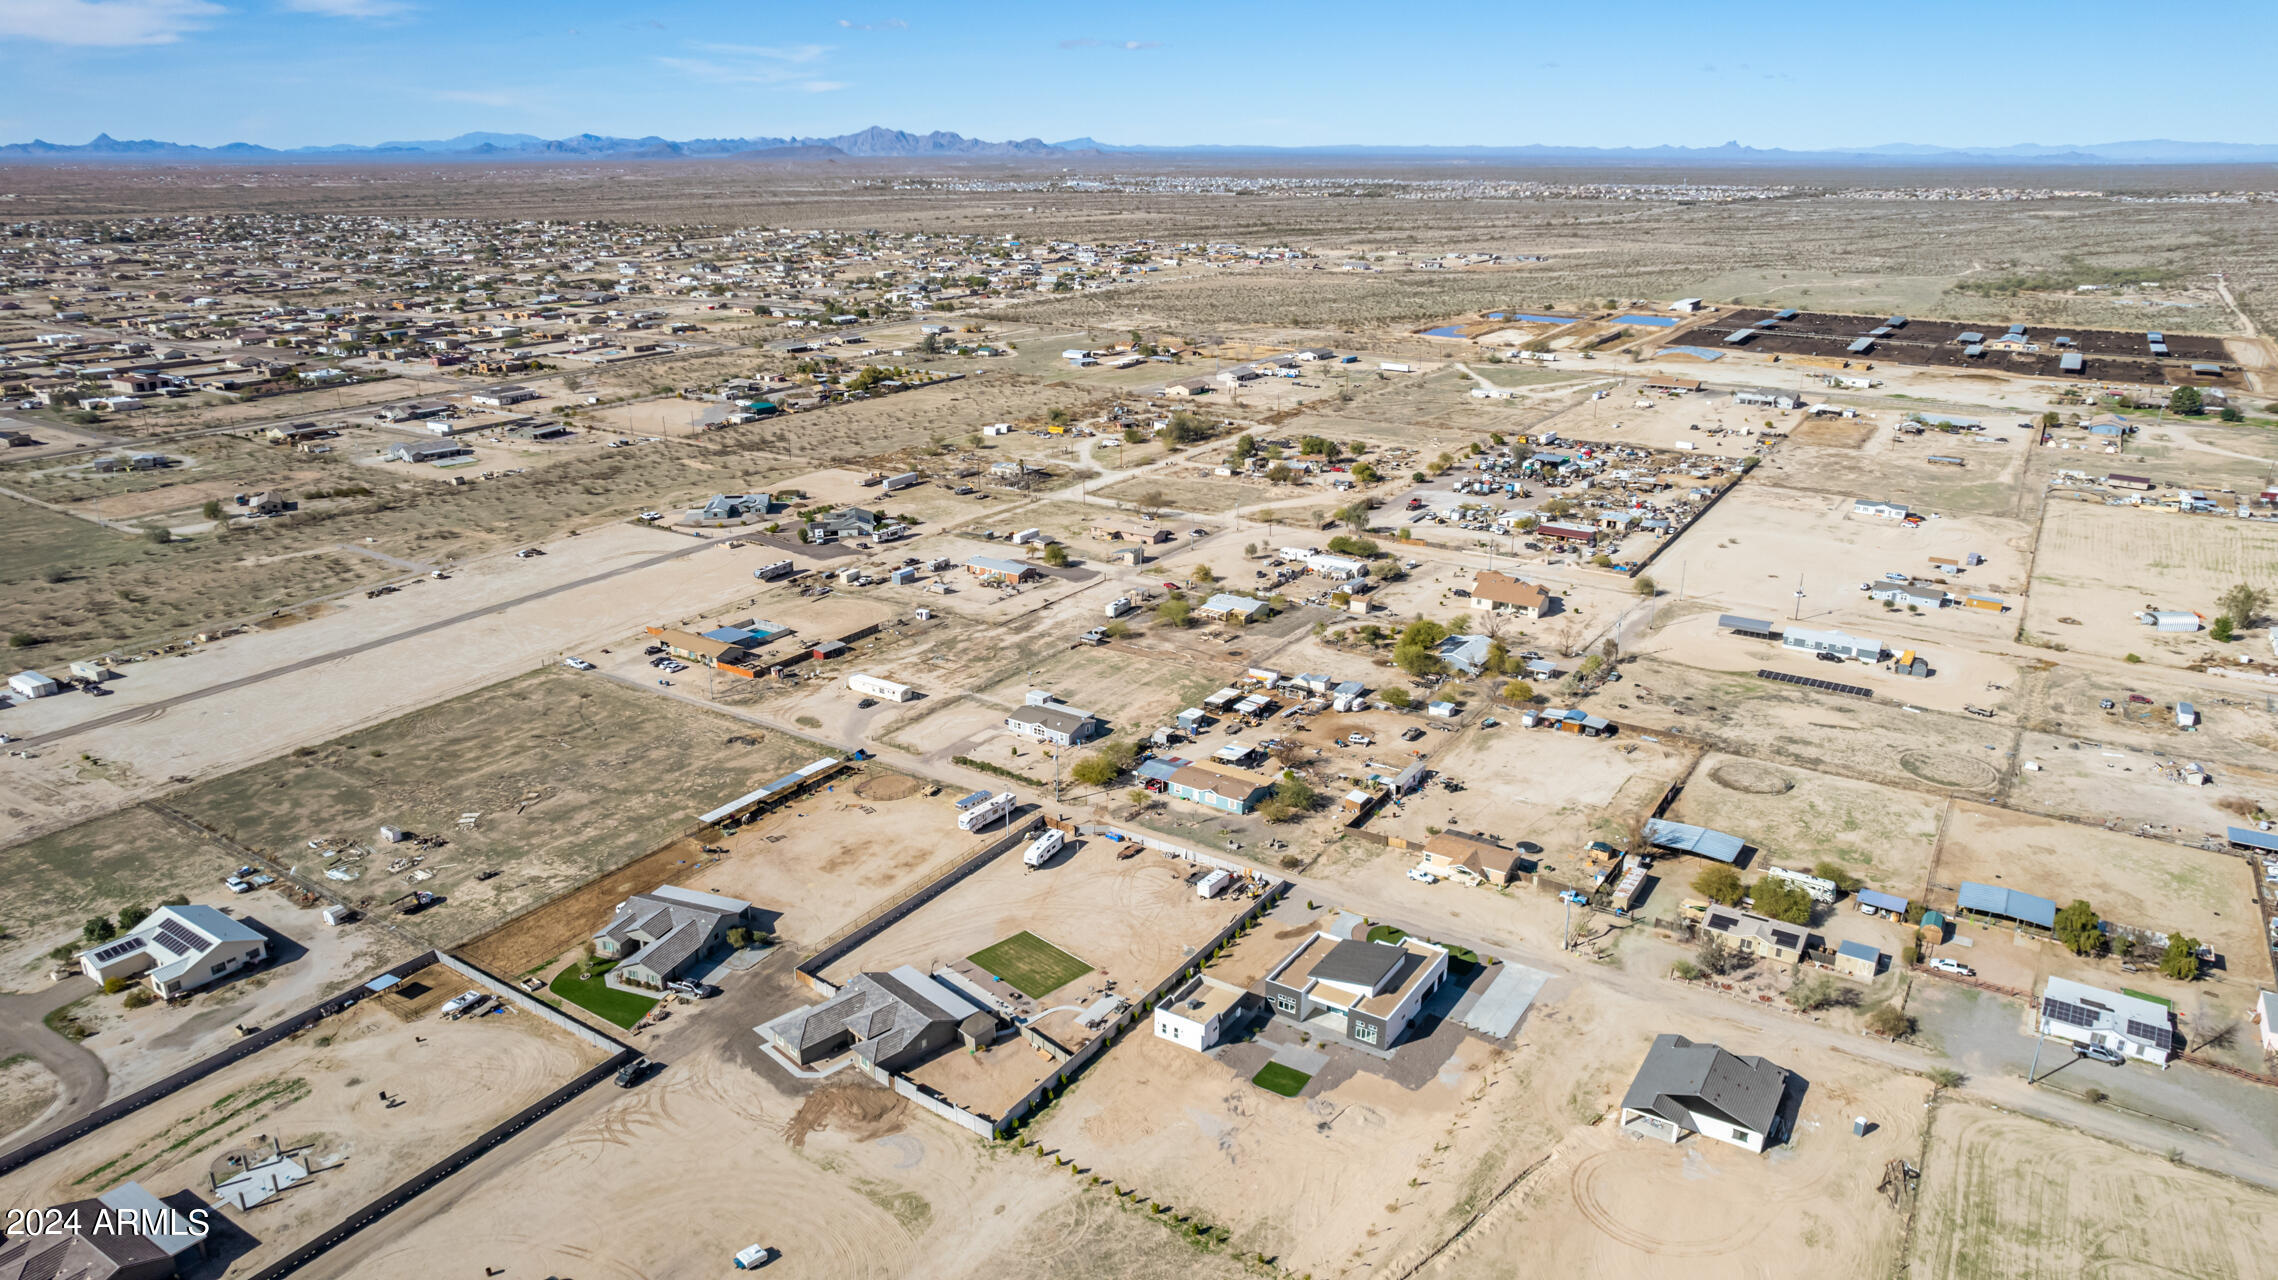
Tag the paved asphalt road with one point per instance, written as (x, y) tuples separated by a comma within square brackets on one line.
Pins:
[(85, 1084)]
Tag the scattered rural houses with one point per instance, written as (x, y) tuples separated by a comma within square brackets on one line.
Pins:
[(1046, 719)]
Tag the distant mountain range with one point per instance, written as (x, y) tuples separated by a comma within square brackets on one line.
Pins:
[(880, 143)]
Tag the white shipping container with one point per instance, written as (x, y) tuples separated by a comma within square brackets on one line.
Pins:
[(1210, 886), (1028, 535)]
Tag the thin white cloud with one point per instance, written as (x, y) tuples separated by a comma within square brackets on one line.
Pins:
[(786, 67), (349, 8), (1087, 42), (884, 24), (104, 23), (800, 53)]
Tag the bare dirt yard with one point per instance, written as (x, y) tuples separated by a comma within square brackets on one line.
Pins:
[(1798, 818), (2007, 1197), (2146, 884), (1129, 921), (534, 759), (1607, 1203), (844, 1181), (317, 1094), (2102, 564)]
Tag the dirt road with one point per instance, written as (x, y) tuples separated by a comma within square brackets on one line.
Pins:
[(83, 1083)]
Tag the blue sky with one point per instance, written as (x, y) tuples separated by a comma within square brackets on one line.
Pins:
[(1773, 73)]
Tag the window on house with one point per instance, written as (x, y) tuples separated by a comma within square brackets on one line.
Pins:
[(1287, 1004), (1740, 1135), (1364, 1033), (219, 968)]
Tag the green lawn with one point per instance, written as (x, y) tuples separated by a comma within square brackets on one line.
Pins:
[(1276, 1078), (599, 998), (1034, 967)]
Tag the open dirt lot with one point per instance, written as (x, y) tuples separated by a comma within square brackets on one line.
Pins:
[(2146, 884), (2004, 1196), (318, 1094), (1607, 1203), (2101, 564), (1557, 790), (1797, 818), (843, 1180), (536, 758)]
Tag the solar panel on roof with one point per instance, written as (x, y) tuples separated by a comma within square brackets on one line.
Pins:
[(2161, 1036), (117, 949), (2072, 1015), (1810, 682), (177, 938)]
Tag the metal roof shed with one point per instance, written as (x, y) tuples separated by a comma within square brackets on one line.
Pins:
[(1993, 900), (1684, 837), (1862, 346), (1753, 627), (1881, 901), (2249, 838)]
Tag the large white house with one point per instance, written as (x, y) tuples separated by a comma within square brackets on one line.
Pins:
[(1366, 991), (177, 949), (1703, 1089), (2128, 1025)]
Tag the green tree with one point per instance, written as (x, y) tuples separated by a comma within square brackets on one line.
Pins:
[(1719, 883), (1837, 874), (1366, 473), (1891, 1021), (1396, 696), (2181, 959), (212, 509), (98, 929), (2076, 928), (129, 917), (1205, 575), (1244, 446), (1518, 691), (1094, 770), (1056, 555), (2186, 400), (2230, 413), (1353, 516), (1645, 587), (2243, 604), (1781, 900), (1295, 792), (2219, 630), (1317, 445), (1280, 473), (1175, 611)]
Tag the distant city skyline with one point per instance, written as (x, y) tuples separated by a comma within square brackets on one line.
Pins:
[(289, 73)]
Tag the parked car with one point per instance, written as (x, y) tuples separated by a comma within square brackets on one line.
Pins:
[(1828, 657), (2098, 1053), (1422, 876), (652, 515), (630, 1074), (577, 664), (1944, 965)]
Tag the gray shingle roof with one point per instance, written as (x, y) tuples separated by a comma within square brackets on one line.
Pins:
[(1679, 1077)]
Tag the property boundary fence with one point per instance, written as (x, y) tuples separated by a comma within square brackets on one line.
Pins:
[(893, 910), (58, 1138), (404, 1192)]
